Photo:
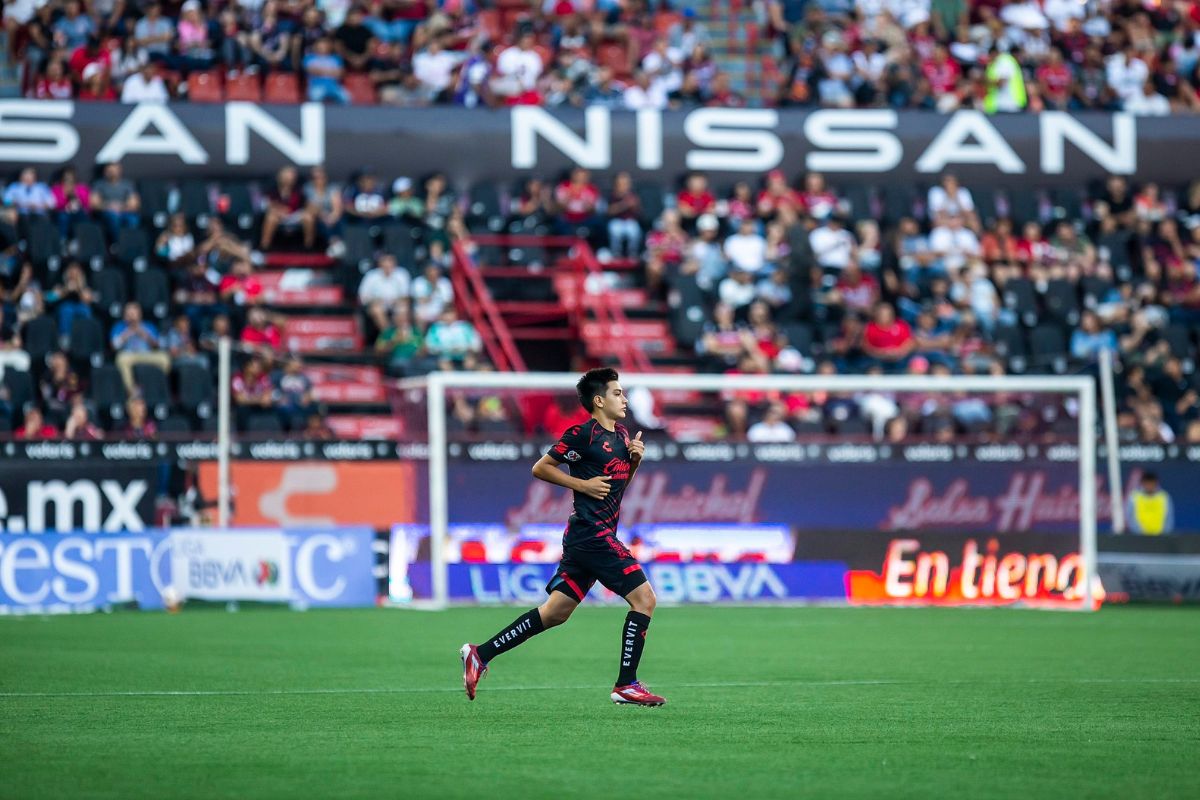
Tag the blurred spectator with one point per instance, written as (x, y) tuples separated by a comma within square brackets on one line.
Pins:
[(738, 290), (365, 202), (286, 208), (35, 426), (252, 390), (832, 245), (74, 28), (694, 199), (154, 33), (71, 299), (578, 198), (138, 424), (28, 195), (888, 340), (240, 287), (196, 295), (400, 342), (71, 201), (432, 293), (747, 249), (434, 67), (176, 246), (1147, 102), (384, 289), (55, 84), (181, 345), (79, 426), (518, 69), (315, 427), (219, 247), (12, 356), (451, 339), (136, 342), (772, 428), (325, 69), (1150, 510), (624, 209), (60, 387), (260, 333), (115, 200), (145, 86), (294, 391), (953, 243)]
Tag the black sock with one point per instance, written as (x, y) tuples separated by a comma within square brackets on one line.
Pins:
[(633, 639), (523, 627)]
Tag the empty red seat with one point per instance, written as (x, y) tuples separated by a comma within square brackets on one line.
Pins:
[(361, 89), (282, 88), (244, 87), (205, 87)]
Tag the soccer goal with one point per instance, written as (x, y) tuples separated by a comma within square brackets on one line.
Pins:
[(984, 493)]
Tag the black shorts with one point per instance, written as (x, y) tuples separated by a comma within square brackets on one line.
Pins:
[(603, 559)]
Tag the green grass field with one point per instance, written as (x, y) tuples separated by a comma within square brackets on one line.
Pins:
[(770, 702)]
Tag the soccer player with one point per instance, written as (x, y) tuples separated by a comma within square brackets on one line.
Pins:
[(602, 459)]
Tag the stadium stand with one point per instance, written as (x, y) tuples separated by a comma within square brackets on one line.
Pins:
[(407, 273)]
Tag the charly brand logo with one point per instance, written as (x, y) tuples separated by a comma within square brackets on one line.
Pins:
[(572, 456)]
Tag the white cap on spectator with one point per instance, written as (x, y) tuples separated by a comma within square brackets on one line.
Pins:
[(92, 70), (402, 185), (190, 5), (707, 222)]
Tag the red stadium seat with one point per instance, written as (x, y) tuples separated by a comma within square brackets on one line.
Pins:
[(361, 89), (282, 88), (489, 23), (663, 21), (244, 87), (205, 87), (614, 55)]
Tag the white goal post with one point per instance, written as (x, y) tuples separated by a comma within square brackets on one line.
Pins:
[(435, 386)]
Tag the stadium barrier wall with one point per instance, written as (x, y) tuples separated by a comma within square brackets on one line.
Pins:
[(80, 572), (304, 484), (207, 141), (762, 563)]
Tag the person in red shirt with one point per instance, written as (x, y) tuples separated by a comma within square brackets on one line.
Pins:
[(941, 71), (88, 54), (819, 200), (286, 207), (261, 334), (54, 85), (35, 426), (577, 200), (96, 87), (252, 391), (778, 197), (240, 287), (888, 340), (857, 290), (1054, 80), (694, 199)]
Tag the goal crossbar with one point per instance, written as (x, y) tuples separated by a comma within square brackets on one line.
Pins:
[(435, 384)]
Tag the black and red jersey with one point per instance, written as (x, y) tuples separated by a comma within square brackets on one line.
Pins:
[(589, 450)]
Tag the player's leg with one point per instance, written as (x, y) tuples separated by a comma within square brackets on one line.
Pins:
[(564, 595), (616, 568)]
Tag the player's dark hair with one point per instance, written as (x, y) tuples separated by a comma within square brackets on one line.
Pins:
[(1150, 477), (594, 382)]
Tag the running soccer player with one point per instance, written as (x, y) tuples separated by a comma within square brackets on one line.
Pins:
[(602, 459)]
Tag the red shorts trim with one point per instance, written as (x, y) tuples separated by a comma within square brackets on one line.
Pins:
[(633, 568)]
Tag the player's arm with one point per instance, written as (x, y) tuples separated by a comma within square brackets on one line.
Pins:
[(546, 469), (637, 448)]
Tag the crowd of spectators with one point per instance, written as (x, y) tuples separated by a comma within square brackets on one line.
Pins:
[(790, 275), (66, 309), (624, 54), (1131, 55), (794, 278)]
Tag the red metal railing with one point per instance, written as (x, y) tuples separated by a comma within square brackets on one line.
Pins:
[(476, 303)]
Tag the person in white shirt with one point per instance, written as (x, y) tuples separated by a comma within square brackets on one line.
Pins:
[(1126, 73), (518, 67), (772, 428), (1060, 11), (954, 244), (1148, 102), (431, 293), (663, 63), (645, 93), (382, 289), (434, 67), (738, 290), (832, 244), (950, 199), (145, 86), (747, 249)]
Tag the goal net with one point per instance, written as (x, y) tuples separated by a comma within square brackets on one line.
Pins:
[(866, 490)]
